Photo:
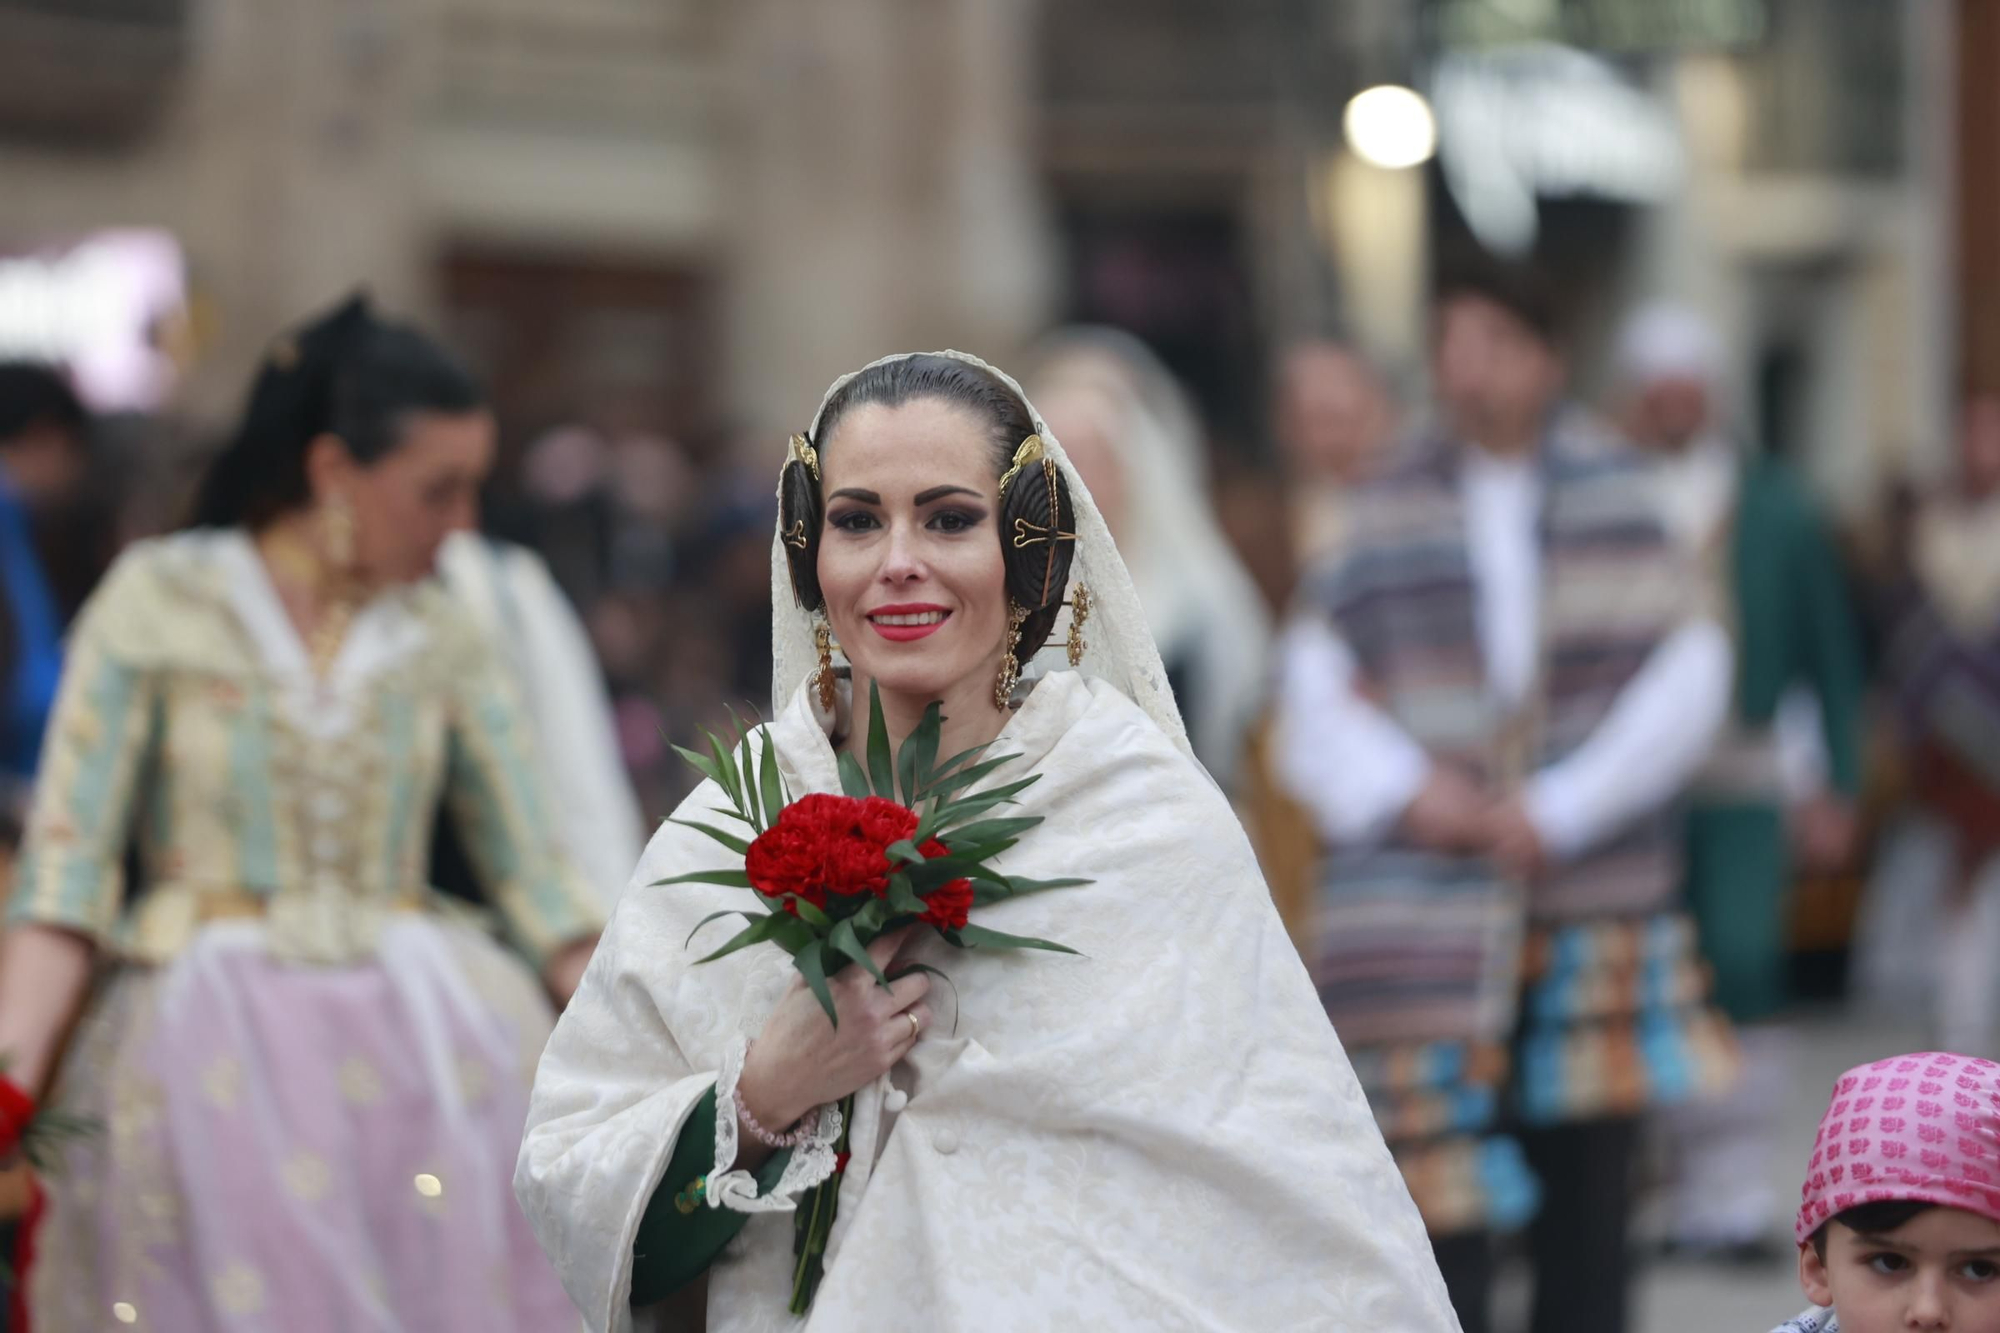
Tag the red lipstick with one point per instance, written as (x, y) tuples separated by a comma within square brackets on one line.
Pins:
[(910, 621)]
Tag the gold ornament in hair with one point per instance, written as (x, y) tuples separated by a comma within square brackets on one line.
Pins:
[(795, 536), (1028, 534), (801, 452), (1079, 612), (1010, 664), (1030, 452)]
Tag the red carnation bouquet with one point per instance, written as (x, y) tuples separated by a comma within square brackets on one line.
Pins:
[(906, 842), (35, 1135)]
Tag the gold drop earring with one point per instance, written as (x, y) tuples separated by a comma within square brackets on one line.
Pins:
[(824, 677), (1079, 612), (336, 584), (1010, 665), (336, 520)]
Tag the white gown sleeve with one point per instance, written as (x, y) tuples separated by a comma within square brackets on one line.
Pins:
[(599, 815), (1658, 733), (1342, 758)]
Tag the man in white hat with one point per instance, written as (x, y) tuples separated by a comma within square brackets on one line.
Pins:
[(1774, 789)]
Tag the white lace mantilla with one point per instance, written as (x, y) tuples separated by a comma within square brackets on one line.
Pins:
[(812, 1160)]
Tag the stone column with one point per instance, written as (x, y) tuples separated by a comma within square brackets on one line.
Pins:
[(881, 192)]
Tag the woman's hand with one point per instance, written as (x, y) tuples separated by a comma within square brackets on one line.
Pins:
[(800, 1060), (564, 970)]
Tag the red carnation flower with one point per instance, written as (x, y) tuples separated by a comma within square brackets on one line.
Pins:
[(950, 905), (786, 860), (17, 1109), (885, 822), (824, 845)]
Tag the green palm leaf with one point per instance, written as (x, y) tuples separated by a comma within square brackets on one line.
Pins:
[(741, 846), (812, 966)]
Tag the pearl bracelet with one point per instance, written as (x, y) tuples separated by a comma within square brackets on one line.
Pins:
[(764, 1136)]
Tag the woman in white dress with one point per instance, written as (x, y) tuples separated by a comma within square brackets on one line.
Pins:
[(1136, 441), (1160, 1133)]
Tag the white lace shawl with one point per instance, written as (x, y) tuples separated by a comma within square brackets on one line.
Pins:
[(1161, 1134)]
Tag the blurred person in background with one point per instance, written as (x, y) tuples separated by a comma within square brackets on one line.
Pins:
[(1489, 705), (309, 1073), (43, 458), (1134, 437), (1776, 575), (1335, 423), (1943, 659)]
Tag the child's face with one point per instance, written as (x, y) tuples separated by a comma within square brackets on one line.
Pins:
[(1940, 1270)]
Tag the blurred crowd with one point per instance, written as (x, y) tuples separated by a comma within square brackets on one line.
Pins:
[(1786, 723)]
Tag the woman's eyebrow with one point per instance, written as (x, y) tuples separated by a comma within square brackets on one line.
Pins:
[(939, 492), (849, 493)]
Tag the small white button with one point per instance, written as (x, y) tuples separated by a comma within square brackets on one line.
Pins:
[(945, 1142), (895, 1100)]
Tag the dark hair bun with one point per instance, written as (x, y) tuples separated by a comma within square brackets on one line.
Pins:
[(800, 511), (1037, 534), (1037, 542)]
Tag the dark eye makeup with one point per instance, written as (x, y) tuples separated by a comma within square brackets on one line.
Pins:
[(948, 521)]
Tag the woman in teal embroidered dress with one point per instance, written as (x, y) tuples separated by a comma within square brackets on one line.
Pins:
[(310, 1073)]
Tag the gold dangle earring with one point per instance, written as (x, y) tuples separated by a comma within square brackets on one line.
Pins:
[(1079, 612), (1010, 665), (824, 677), (338, 595), (336, 518)]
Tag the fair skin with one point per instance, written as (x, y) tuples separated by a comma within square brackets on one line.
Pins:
[(404, 504), (1496, 377), (1334, 417), (1938, 1272), (1667, 414), (912, 504), (43, 463)]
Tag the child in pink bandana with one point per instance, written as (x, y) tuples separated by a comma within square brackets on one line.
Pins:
[(1899, 1227)]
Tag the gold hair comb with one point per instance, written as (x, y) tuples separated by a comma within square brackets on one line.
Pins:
[(804, 453), (1029, 452)]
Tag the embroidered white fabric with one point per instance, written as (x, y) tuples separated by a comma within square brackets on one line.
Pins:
[(1159, 1203), (1119, 647), (812, 1160)]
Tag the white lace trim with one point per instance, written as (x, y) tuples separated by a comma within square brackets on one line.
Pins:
[(812, 1161)]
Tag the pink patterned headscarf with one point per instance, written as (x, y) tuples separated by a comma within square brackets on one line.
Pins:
[(1920, 1127)]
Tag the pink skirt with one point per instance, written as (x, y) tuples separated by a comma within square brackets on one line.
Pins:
[(302, 1148)]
